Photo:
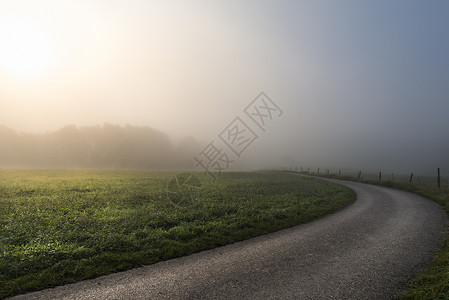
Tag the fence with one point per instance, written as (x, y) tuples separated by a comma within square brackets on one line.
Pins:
[(438, 179)]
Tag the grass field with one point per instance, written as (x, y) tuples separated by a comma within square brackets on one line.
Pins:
[(61, 226)]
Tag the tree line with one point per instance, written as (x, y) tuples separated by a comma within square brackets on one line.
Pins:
[(108, 146)]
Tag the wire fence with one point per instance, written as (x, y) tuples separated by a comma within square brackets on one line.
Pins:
[(440, 178)]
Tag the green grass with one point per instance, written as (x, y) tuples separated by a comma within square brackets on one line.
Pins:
[(59, 226), (433, 283)]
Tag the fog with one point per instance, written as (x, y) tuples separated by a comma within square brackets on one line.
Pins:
[(361, 85)]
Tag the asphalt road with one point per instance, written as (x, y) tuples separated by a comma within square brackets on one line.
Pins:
[(369, 250)]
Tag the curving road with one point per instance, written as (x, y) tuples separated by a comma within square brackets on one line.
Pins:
[(369, 250)]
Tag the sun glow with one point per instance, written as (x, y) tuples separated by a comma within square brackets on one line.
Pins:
[(25, 51)]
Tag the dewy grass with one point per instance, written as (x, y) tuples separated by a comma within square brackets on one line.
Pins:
[(59, 226)]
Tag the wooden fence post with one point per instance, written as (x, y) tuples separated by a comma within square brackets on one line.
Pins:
[(380, 176), (411, 177), (318, 171), (439, 182), (339, 173)]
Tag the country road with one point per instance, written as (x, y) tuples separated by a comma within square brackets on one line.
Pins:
[(369, 250)]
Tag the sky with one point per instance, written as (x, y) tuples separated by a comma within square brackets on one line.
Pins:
[(361, 84)]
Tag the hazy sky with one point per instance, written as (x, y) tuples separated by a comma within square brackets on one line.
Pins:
[(361, 83)]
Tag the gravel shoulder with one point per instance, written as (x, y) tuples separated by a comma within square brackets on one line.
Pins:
[(369, 250)]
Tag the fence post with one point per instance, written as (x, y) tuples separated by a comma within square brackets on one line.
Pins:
[(380, 176), (411, 177), (439, 182), (392, 177), (318, 172), (339, 173)]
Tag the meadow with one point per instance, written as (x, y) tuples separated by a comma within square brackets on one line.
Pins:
[(63, 226)]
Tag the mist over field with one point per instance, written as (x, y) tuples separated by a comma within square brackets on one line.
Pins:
[(108, 146), (149, 84)]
